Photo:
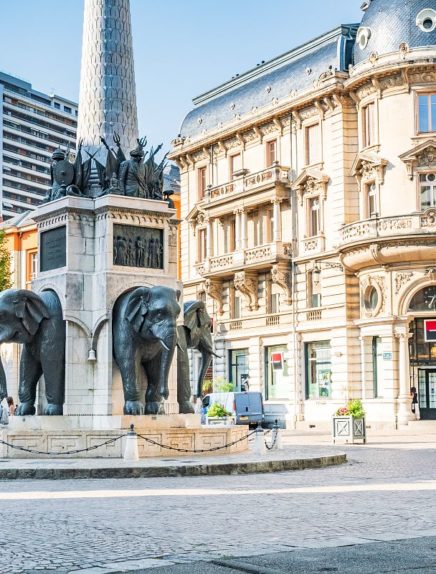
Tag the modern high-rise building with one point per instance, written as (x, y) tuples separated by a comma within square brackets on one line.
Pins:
[(33, 125)]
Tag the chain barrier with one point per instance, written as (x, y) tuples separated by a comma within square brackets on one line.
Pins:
[(275, 436), (64, 452), (198, 450), (113, 440)]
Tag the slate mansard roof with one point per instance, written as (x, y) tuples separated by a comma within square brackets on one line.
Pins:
[(295, 71), (393, 22)]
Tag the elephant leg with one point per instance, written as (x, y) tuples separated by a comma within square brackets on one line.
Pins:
[(30, 373), (153, 398), (183, 383), (129, 365), (54, 376)]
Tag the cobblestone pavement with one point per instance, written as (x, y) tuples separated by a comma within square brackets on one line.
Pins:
[(385, 492)]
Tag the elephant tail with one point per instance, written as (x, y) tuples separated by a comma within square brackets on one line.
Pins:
[(3, 385)]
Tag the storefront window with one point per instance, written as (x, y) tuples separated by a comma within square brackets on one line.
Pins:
[(239, 369), (277, 374), (377, 366), (318, 370)]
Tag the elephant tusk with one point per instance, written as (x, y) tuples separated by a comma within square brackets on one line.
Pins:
[(164, 345), (217, 356)]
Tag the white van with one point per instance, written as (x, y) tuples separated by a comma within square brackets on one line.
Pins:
[(246, 408)]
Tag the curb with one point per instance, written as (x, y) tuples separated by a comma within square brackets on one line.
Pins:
[(181, 470)]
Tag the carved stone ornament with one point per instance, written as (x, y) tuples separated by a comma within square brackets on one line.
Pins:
[(428, 219), (281, 276), (369, 166), (312, 182), (372, 305), (215, 290), (247, 283), (402, 279), (422, 156)]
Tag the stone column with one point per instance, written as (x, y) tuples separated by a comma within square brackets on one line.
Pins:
[(363, 366), (107, 100), (209, 239), (244, 237), (237, 229), (404, 411), (277, 220)]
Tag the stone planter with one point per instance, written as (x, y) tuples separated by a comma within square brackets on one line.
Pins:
[(349, 429), (218, 420)]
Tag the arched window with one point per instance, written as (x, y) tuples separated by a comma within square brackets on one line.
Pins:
[(424, 300)]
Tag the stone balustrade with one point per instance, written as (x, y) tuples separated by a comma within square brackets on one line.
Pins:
[(415, 223), (315, 244), (268, 253), (250, 182)]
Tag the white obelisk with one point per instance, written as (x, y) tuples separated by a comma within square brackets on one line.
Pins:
[(107, 102)]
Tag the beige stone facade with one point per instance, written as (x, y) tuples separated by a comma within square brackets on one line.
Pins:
[(309, 228)]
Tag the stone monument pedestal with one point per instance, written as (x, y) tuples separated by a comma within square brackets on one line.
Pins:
[(65, 433), (91, 252)]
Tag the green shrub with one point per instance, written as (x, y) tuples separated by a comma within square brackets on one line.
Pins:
[(356, 409), (217, 410), (221, 385)]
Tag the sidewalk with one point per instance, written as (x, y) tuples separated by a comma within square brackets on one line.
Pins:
[(290, 458)]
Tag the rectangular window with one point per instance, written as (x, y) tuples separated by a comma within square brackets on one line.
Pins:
[(377, 365), (427, 188), (57, 105), (271, 153), (313, 144), (235, 165), (371, 191), (314, 288), (427, 113), (318, 370), (236, 307), (232, 235), (201, 181), (314, 216), (201, 245), (368, 132), (67, 109), (277, 375), (239, 369)]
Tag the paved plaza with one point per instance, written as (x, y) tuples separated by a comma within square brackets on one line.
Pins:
[(385, 493)]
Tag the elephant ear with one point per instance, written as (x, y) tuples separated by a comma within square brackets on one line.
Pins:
[(191, 311), (30, 309), (137, 307)]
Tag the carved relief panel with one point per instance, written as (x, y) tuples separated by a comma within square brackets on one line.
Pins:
[(135, 246)]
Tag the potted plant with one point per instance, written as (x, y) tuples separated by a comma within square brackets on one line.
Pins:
[(349, 422), (217, 414)]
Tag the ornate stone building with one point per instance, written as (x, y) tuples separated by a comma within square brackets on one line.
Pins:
[(308, 189)]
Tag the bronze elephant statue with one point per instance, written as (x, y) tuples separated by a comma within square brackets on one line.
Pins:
[(195, 333), (144, 338), (36, 322)]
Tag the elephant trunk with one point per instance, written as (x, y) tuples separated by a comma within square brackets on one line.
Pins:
[(3, 385), (206, 358)]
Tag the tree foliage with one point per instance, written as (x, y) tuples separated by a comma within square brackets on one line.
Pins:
[(5, 263)]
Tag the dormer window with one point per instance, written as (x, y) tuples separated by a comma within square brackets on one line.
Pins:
[(426, 20)]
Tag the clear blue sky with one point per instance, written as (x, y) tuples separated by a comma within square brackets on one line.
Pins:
[(182, 47)]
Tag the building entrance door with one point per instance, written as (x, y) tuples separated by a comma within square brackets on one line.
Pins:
[(427, 393)]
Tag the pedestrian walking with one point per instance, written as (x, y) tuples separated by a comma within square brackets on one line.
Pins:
[(415, 403)]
